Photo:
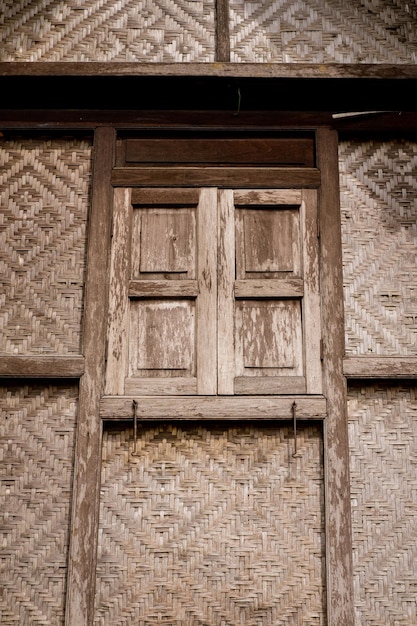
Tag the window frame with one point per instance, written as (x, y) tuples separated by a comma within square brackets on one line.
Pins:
[(86, 491)]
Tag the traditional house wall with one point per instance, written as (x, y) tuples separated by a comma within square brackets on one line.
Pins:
[(45, 194)]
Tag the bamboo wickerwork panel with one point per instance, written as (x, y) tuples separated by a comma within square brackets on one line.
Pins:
[(44, 194), (317, 31), (383, 459), (108, 30), (211, 524), (378, 190), (36, 449)]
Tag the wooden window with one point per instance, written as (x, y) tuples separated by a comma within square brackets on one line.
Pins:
[(211, 207), (214, 292)]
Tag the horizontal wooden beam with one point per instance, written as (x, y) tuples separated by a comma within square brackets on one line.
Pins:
[(219, 69), (234, 177), (232, 87), (389, 122), (41, 366), (213, 407), (388, 367)]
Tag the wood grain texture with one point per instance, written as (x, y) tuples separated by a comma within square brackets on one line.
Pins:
[(311, 309), (164, 288), (373, 367), (272, 288), (207, 298), (248, 151), (336, 452), (85, 499), (41, 367), (379, 71), (213, 407), (117, 342), (226, 276), (273, 177), (222, 51)]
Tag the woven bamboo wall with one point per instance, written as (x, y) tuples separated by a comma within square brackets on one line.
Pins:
[(383, 441), (44, 190), (211, 525), (36, 462), (107, 30), (261, 31), (379, 228), (317, 31)]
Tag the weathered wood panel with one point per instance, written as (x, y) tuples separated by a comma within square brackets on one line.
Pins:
[(312, 321), (213, 407), (207, 299), (118, 339), (268, 243), (162, 338), (163, 288), (268, 338), (163, 293), (226, 305), (271, 288), (276, 260)]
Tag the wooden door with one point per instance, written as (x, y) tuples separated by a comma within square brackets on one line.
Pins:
[(214, 292)]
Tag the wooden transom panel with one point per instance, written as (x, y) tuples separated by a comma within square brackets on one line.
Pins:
[(214, 292)]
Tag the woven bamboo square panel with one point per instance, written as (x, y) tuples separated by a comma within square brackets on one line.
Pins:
[(211, 524), (44, 195), (37, 424), (313, 31), (109, 30), (383, 464), (378, 182)]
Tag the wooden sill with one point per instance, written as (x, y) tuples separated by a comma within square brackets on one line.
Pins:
[(113, 408)]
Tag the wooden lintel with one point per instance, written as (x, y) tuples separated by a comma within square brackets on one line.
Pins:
[(374, 367), (272, 177), (44, 119), (41, 366), (213, 407)]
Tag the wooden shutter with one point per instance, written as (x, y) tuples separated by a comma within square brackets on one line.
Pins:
[(214, 292), (269, 312), (163, 298)]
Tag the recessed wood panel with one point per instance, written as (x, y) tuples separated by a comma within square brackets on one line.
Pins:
[(269, 337), (268, 242), (163, 242), (162, 338), (279, 151)]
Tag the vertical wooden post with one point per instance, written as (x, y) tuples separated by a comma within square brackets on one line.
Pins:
[(222, 31), (336, 452), (87, 465)]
